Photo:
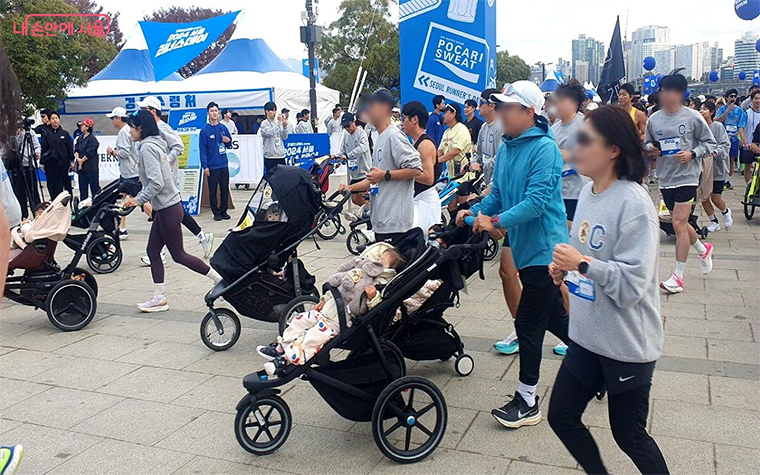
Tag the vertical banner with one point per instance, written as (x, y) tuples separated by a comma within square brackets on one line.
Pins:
[(448, 47), (190, 176), (246, 160), (108, 166)]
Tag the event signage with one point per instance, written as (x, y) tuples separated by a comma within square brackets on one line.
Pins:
[(173, 45), (302, 149), (187, 120), (448, 47), (651, 83)]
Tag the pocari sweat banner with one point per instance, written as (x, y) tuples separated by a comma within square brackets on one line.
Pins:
[(448, 47)]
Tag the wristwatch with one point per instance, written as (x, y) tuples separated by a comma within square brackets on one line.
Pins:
[(583, 266), (693, 154), (387, 175)]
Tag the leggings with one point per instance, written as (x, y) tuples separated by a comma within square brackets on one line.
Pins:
[(628, 419), (166, 231), (190, 223)]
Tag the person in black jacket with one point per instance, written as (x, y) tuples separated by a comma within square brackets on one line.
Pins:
[(87, 160), (57, 156)]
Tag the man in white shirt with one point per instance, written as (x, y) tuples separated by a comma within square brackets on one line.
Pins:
[(228, 122), (286, 115)]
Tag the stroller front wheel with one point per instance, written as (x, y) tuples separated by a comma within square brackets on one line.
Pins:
[(356, 238), (221, 333), (104, 255), (464, 364), (71, 305), (263, 429)]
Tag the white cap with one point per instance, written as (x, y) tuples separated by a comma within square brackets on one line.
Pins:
[(117, 112), (150, 101), (525, 93), (395, 109)]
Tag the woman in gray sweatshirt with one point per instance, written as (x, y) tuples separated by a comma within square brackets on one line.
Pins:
[(610, 267), (160, 189)]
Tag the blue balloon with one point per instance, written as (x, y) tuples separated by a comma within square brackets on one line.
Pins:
[(747, 9), (742, 76), (688, 93), (649, 63), (714, 76)]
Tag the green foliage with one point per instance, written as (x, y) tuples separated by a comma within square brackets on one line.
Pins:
[(340, 52), (49, 65), (510, 68)]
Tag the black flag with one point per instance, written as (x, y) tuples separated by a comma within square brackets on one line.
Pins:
[(614, 68)]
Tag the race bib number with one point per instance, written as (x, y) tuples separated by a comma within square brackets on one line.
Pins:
[(581, 286), (732, 129), (670, 145), (353, 164), (222, 149)]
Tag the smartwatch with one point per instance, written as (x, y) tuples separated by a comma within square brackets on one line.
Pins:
[(583, 267), (387, 175)]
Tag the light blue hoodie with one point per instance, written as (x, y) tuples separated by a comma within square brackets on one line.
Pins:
[(527, 195)]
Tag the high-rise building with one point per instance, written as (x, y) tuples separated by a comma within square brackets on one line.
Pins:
[(565, 67), (716, 57), (695, 59), (582, 72), (746, 57), (664, 61), (591, 52), (645, 42)]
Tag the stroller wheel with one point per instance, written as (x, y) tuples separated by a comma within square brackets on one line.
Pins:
[(104, 255), (409, 419), (492, 250), (331, 228), (355, 240), (71, 305), (298, 305), (263, 429), (464, 364), (221, 333)]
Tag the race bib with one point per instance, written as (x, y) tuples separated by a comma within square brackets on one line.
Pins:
[(732, 129), (568, 172), (670, 145), (373, 189), (581, 286), (222, 149), (353, 164)]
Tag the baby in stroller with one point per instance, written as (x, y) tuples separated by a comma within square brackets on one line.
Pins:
[(356, 281), (18, 232)]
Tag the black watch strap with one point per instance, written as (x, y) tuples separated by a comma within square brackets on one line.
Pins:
[(387, 175), (583, 267)]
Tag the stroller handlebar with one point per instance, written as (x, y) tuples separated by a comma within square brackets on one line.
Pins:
[(119, 211)]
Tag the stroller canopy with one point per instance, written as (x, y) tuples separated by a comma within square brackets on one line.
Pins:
[(54, 223)]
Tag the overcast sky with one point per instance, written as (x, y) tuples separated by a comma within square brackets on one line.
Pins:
[(535, 34)]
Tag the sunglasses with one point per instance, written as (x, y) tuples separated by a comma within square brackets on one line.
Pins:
[(584, 139)]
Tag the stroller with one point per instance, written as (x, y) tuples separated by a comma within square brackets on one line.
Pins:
[(320, 172), (408, 414), (103, 253), (68, 295), (259, 258)]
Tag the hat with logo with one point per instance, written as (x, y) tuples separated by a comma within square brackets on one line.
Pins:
[(346, 120), (117, 112), (151, 101), (525, 93)]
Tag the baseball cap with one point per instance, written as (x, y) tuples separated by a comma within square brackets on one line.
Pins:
[(151, 101), (346, 120), (305, 111), (117, 112), (88, 122), (525, 93), (382, 95), (285, 110), (396, 109), (270, 106)]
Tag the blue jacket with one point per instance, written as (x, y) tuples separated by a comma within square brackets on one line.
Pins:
[(435, 128), (212, 147), (527, 195)]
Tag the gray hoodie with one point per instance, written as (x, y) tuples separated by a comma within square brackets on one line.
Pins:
[(272, 134), (356, 147), (174, 147), (619, 230), (158, 185), (721, 160)]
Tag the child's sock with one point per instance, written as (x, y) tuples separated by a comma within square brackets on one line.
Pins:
[(158, 290), (528, 393), (680, 268), (213, 275), (699, 247), (713, 218)]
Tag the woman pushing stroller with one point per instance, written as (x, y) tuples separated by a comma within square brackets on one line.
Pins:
[(356, 282)]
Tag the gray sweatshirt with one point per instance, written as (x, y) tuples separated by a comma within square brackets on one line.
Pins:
[(126, 153), (720, 162), (333, 125), (174, 147), (489, 139), (356, 147), (684, 130), (565, 134), (158, 185), (619, 230), (272, 134), (393, 204), (303, 127)]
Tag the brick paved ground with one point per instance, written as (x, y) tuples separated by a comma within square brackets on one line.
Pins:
[(140, 394)]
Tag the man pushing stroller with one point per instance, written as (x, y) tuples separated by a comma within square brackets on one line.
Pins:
[(356, 281)]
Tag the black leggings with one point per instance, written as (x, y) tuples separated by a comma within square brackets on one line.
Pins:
[(628, 418), (166, 231)]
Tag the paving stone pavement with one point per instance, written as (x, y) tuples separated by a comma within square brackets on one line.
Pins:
[(140, 394)]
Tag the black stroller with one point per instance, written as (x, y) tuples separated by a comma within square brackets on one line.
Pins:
[(320, 172), (103, 253), (263, 277)]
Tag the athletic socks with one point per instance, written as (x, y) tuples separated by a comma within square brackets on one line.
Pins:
[(699, 247), (713, 218), (213, 275), (680, 268), (201, 236), (528, 393), (158, 290)]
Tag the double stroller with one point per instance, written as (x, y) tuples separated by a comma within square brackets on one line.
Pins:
[(263, 277), (408, 414), (68, 294)]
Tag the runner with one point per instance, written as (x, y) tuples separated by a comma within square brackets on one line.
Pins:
[(680, 138), (355, 151), (625, 100), (746, 155), (735, 119), (455, 149), (615, 325), (720, 170)]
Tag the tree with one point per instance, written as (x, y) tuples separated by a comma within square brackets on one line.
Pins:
[(115, 35), (48, 66), (343, 43), (510, 68), (187, 15)]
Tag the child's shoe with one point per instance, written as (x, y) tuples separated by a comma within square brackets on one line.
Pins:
[(275, 367), (269, 352)]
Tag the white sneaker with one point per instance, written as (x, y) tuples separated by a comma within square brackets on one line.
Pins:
[(146, 260), (706, 259), (157, 303), (728, 221), (713, 226), (674, 285), (207, 243)]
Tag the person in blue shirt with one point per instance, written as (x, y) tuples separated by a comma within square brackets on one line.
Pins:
[(526, 201), (215, 139), (734, 118), (435, 126)]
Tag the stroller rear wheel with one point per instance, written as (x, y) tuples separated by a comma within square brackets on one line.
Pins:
[(331, 228), (104, 255), (264, 428), (464, 364), (298, 305), (492, 250), (409, 419), (221, 333), (356, 238), (71, 305)]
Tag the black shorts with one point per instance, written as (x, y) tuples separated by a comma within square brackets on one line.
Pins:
[(570, 206), (747, 156), (597, 371), (130, 186), (718, 186), (682, 194)]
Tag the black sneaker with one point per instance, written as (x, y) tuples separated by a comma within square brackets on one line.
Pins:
[(276, 366), (516, 413), (226, 216), (269, 352), (217, 217)]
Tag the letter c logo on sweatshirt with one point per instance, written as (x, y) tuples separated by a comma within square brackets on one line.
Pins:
[(597, 233)]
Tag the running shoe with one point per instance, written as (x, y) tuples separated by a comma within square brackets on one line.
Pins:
[(157, 303), (207, 243), (713, 226), (123, 234), (728, 186), (516, 413), (10, 457), (226, 216), (268, 352), (706, 259), (275, 367), (146, 260), (560, 349), (508, 346), (728, 221), (673, 285)]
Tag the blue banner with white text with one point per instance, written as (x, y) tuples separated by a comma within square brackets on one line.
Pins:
[(302, 149)]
